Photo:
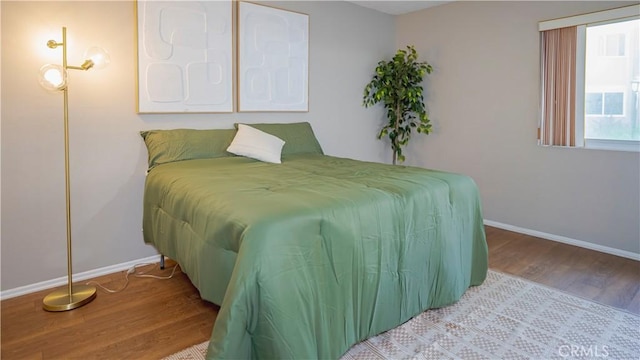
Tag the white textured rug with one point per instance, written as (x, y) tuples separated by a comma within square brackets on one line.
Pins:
[(504, 318)]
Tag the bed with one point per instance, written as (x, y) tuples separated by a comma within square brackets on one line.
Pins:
[(310, 256)]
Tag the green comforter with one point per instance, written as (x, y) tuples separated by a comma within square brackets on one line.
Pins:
[(309, 257)]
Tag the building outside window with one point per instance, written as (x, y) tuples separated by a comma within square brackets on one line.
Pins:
[(611, 67)]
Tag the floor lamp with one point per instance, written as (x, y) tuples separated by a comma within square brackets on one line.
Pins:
[(54, 77)]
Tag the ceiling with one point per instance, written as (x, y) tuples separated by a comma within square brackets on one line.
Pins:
[(399, 7)]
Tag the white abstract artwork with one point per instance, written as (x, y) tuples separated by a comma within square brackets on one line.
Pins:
[(273, 59), (185, 56)]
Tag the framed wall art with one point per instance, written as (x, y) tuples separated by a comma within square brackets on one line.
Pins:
[(185, 56), (273, 59)]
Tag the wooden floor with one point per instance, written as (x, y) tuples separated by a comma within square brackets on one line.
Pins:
[(154, 318)]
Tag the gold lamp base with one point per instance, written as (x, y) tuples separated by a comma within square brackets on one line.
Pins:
[(61, 300)]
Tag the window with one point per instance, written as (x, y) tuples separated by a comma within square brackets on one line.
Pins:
[(612, 103), (611, 44), (590, 69), (609, 103)]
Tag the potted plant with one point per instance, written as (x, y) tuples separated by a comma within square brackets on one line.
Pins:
[(398, 85)]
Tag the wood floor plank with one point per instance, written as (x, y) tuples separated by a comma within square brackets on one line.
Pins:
[(147, 313), (153, 318), (605, 278)]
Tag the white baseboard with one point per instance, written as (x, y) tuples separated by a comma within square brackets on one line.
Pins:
[(27, 289), (23, 290), (565, 240)]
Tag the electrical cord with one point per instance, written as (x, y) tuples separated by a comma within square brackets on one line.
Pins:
[(133, 271)]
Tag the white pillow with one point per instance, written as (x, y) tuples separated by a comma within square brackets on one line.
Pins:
[(256, 144)]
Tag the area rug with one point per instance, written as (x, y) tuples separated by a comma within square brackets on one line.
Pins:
[(504, 318)]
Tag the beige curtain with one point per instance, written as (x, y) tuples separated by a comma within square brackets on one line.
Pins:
[(558, 61)]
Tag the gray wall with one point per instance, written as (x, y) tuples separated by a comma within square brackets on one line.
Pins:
[(483, 98), (108, 157)]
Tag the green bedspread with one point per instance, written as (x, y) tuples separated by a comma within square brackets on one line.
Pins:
[(309, 257)]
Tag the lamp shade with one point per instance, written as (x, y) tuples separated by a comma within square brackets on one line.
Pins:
[(53, 77), (99, 56)]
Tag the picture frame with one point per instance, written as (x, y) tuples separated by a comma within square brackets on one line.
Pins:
[(273, 59), (184, 56)]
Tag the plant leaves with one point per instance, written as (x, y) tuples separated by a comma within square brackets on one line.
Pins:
[(398, 85)]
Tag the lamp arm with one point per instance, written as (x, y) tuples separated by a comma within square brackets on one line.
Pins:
[(86, 65)]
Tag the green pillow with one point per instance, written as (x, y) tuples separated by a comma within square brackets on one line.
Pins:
[(166, 146), (298, 137)]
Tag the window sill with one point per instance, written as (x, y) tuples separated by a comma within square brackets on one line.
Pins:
[(615, 145)]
